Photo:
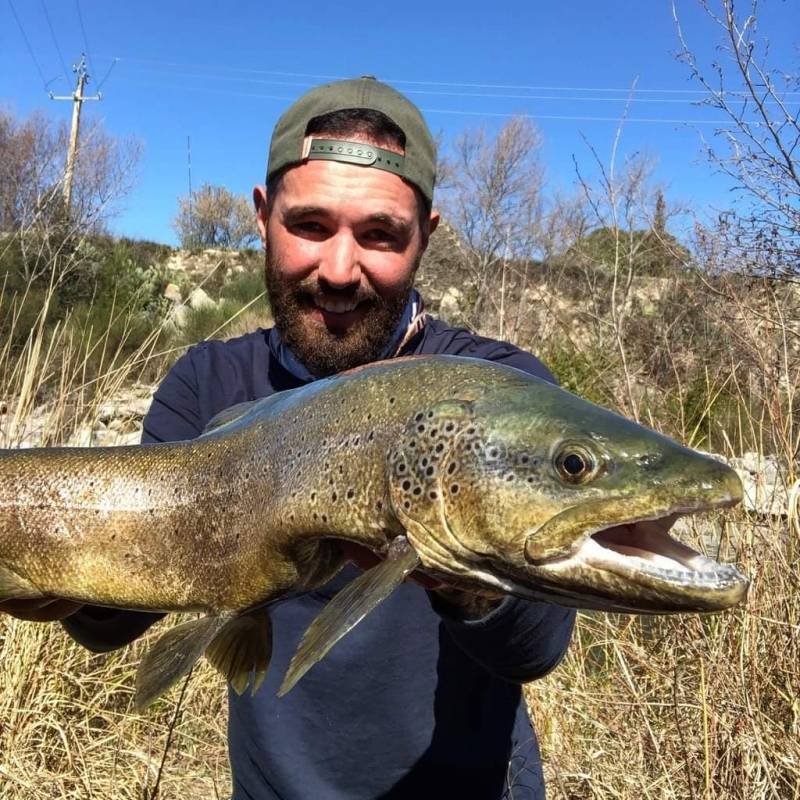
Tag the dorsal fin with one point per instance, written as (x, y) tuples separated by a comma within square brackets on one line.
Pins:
[(229, 415)]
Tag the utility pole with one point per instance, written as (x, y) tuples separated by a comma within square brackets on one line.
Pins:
[(78, 99)]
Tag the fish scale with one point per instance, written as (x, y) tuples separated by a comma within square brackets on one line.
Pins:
[(482, 476)]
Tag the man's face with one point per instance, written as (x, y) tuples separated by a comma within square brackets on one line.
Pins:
[(343, 244)]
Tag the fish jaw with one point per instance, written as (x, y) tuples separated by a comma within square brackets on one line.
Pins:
[(637, 566), (633, 562)]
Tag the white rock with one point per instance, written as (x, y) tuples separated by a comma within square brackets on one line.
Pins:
[(173, 293), (450, 306), (199, 299)]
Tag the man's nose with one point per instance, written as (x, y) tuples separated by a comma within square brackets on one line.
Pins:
[(340, 265)]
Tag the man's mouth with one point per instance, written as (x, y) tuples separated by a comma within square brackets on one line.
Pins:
[(337, 314), (337, 306)]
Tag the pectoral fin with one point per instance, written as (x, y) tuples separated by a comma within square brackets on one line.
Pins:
[(173, 655), (242, 649), (348, 608), (13, 587)]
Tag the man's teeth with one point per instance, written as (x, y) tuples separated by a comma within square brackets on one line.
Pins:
[(337, 306)]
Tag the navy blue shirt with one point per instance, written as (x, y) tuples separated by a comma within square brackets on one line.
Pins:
[(412, 703)]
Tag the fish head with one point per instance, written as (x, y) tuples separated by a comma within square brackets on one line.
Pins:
[(534, 491)]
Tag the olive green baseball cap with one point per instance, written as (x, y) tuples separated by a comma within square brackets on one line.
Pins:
[(290, 145)]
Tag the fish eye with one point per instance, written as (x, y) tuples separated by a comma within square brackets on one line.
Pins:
[(575, 464)]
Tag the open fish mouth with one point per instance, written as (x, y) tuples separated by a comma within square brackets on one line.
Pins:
[(638, 566), (645, 547)]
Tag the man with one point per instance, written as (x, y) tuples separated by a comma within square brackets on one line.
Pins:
[(422, 699)]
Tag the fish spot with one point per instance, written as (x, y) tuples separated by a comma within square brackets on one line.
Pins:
[(510, 477), (356, 441), (391, 401), (454, 488), (439, 447), (350, 494), (418, 417), (401, 468), (406, 485), (433, 494), (433, 433), (421, 427), (334, 497), (430, 471), (313, 496), (406, 504), (325, 518), (417, 491), (371, 436), (452, 467), (449, 427), (429, 415), (379, 505)]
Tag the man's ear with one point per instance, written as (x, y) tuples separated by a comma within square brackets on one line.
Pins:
[(433, 224), (260, 203)]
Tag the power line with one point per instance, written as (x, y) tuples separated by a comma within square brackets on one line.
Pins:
[(508, 86), (561, 98), (460, 112), (85, 40), (108, 72), (55, 42), (45, 83)]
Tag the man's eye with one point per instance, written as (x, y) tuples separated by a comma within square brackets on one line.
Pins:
[(380, 235), (307, 227)]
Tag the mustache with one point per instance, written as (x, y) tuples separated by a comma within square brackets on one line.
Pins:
[(311, 290)]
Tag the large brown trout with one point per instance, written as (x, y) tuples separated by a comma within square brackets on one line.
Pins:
[(476, 474)]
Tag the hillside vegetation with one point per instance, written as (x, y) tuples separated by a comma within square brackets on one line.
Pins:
[(696, 335)]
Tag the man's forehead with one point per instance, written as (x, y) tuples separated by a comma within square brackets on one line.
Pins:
[(330, 185)]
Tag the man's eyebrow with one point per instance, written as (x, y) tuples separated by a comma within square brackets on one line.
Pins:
[(295, 212), (396, 223)]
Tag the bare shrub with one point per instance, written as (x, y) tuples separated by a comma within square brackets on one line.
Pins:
[(493, 197), (758, 149), (215, 217)]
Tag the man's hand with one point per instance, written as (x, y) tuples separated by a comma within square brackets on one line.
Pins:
[(45, 609), (456, 602)]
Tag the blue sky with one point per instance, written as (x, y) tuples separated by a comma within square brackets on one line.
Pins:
[(222, 72)]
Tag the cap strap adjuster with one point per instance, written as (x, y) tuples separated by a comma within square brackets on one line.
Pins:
[(366, 155)]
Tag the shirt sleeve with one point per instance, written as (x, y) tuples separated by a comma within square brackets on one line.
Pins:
[(519, 640), (174, 415)]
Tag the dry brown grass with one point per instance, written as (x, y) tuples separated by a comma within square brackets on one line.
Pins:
[(688, 706), (680, 707)]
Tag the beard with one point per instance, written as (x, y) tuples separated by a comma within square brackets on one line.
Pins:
[(322, 351)]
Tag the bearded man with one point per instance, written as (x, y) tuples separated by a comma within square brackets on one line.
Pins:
[(422, 699)]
